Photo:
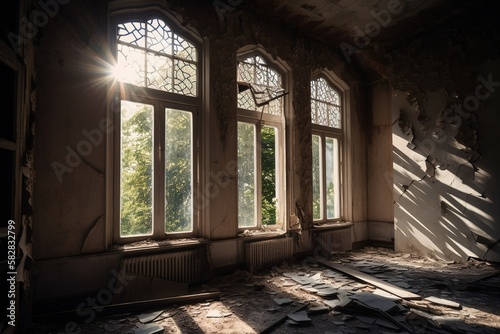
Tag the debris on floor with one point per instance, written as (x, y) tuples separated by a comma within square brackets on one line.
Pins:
[(364, 291)]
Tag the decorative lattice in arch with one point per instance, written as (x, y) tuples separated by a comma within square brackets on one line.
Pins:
[(325, 104), (265, 83), (151, 55)]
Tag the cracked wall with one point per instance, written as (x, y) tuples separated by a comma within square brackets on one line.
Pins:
[(445, 104), (446, 197)]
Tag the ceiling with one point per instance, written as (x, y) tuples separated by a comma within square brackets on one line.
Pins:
[(335, 20)]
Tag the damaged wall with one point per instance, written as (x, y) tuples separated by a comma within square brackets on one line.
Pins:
[(444, 109), (70, 220)]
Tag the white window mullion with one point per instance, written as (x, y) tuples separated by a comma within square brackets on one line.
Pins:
[(258, 174)]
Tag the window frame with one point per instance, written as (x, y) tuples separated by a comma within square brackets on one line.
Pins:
[(160, 100), (339, 134), (260, 119)]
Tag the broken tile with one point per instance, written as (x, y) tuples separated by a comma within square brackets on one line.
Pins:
[(148, 317), (282, 301), (327, 292), (309, 289), (374, 301), (214, 314), (338, 323), (300, 316), (317, 309)]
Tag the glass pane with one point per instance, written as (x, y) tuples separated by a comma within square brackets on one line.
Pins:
[(178, 171), (159, 37), (130, 66), (184, 78), (132, 33), (325, 104), (159, 72), (184, 49), (246, 175), (151, 55), (136, 169), (269, 174), (317, 178), (332, 178)]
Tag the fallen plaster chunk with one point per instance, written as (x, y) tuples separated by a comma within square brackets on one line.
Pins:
[(300, 317), (148, 317), (214, 314), (375, 301), (444, 302), (282, 301), (328, 292), (317, 309)]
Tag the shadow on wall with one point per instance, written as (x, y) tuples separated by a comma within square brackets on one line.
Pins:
[(446, 194)]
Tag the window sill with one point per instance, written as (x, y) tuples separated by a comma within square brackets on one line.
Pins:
[(331, 226), (148, 245), (260, 234)]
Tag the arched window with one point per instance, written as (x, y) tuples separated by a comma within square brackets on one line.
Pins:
[(261, 199), (157, 74), (150, 54), (326, 117)]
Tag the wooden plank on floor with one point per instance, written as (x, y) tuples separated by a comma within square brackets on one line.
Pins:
[(395, 290)]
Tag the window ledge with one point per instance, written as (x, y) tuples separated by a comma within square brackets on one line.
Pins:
[(147, 245), (331, 226), (260, 234)]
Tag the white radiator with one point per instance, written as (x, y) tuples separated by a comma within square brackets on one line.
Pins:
[(335, 240), (262, 254), (182, 266)]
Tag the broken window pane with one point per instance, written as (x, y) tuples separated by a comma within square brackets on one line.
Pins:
[(255, 71), (246, 175), (178, 171), (136, 169), (317, 178)]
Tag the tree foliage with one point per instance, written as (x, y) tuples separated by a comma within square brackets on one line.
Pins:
[(136, 216), (178, 171)]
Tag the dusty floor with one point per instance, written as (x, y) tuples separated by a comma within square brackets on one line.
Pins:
[(249, 303)]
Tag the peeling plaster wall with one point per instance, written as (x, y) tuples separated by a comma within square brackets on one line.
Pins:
[(70, 223), (446, 187)]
